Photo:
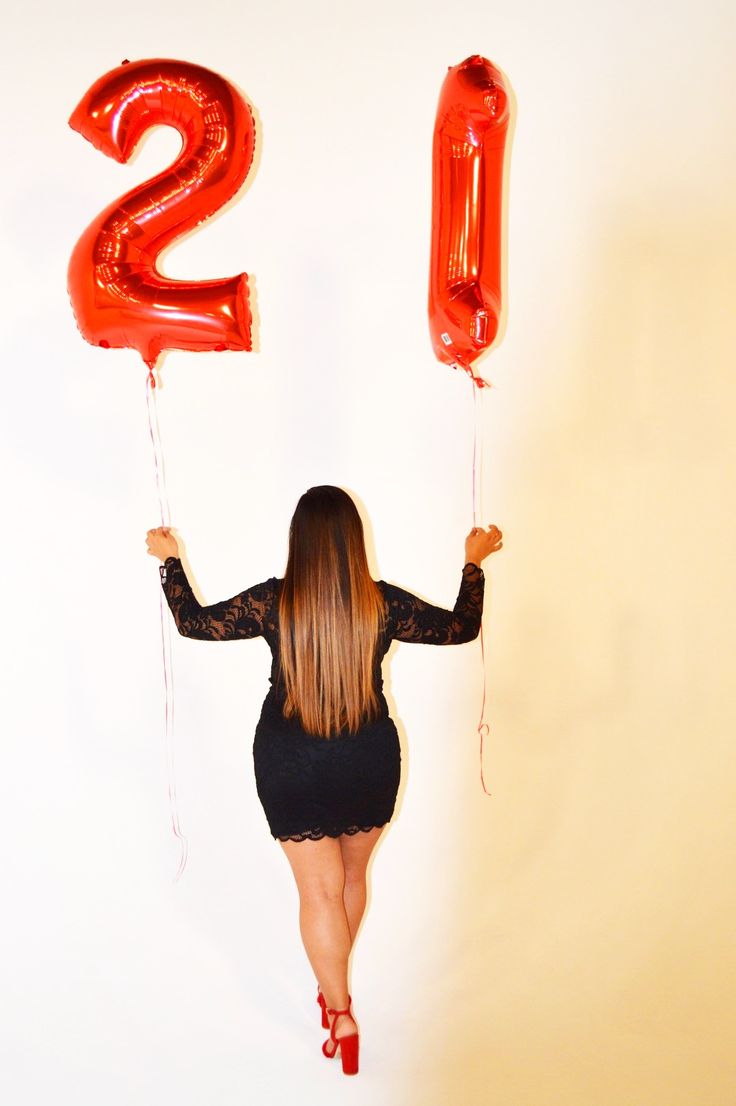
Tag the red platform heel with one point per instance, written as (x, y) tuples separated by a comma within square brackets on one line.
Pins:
[(323, 1005), (348, 1045)]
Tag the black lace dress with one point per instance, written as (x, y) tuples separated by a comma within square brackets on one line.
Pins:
[(309, 786)]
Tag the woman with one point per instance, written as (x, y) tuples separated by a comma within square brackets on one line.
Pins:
[(326, 753)]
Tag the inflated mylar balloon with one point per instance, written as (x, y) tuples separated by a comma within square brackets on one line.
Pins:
[(467, 183), (118, 296)]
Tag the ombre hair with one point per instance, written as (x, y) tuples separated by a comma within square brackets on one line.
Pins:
[(330, 614)]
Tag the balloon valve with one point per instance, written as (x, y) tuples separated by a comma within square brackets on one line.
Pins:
[(125, 61)]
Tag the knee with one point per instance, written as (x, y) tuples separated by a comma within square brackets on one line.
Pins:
[(354, 877), (322, 889)]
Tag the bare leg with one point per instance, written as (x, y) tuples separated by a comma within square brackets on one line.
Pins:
[(320, 877), (356, 852)]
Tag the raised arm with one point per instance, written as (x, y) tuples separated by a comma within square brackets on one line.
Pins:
[(411, 619), (242, 616)]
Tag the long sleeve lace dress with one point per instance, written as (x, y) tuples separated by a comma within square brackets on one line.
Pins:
[(310, 786)]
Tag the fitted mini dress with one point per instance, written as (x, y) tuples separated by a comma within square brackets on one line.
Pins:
[(310, 786)]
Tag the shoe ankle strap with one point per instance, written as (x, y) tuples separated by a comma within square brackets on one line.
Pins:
[(337, 1013), (346, 1011)]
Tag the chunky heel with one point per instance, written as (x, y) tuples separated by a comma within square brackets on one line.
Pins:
[(348, 1046)]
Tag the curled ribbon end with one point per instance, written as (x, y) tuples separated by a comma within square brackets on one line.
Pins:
[(483, 731), (184, 854)]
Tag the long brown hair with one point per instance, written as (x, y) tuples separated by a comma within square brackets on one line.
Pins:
[(330, 615)]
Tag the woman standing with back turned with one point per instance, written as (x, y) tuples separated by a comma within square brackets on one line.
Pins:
[(326, 753)]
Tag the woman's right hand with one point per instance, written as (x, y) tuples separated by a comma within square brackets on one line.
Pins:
[(480, 543)]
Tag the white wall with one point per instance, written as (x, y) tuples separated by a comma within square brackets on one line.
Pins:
[(568, 940)]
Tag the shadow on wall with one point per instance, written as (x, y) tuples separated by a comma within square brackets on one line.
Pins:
[(563, 886)]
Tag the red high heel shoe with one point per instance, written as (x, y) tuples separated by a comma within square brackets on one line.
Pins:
[(348, 1045), (323, 1005)]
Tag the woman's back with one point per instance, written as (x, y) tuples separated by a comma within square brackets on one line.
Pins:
[(254, 612)]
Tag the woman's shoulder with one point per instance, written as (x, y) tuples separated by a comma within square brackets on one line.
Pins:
[(389, 590), (273, 585), (266, 587), (391, 596)]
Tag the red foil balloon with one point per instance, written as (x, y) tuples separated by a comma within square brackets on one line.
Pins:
[(467, 186), (118, 296)]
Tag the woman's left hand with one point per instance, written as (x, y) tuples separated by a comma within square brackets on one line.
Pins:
[(161, 543)]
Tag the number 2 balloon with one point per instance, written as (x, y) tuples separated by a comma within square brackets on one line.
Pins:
[(119, 297)]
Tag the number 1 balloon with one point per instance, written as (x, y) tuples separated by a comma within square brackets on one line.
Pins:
[(119, 297), (467, 186)]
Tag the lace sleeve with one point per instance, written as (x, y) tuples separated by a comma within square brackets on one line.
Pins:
[(411, 619), (240, 617)]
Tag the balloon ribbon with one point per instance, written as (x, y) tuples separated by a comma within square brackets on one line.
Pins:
[(483, 727), (165, 622)]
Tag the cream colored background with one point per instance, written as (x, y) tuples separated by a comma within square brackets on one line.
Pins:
[(568, 941)]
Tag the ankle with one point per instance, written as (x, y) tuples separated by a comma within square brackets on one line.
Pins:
[(343, 1001), (342, 1025)]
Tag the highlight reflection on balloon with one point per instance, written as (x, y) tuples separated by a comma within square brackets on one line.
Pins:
[(118, 296), (467, 185)]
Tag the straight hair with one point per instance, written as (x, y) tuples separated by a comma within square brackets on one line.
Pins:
[(330, 614)]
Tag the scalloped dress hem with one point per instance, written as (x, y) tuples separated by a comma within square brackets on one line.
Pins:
[(318, 834)]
